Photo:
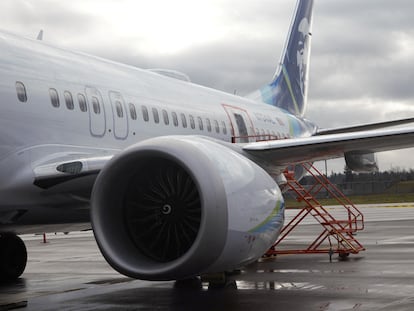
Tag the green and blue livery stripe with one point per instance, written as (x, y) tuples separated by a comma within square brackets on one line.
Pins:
[(273, 220)]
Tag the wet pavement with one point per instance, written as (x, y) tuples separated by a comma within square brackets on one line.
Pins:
[(68, 273)]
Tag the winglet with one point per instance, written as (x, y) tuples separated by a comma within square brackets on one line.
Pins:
[(40, 35)]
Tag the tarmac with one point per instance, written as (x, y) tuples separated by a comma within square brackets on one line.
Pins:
[(69, 273)]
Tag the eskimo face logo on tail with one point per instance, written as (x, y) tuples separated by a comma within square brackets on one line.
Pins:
[(302, 54)]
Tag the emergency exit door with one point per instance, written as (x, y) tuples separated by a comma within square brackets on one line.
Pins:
[(97, 118), (119, 115)]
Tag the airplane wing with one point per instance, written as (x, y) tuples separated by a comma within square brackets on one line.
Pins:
[(314, 148), (364, 127), (68, 174)]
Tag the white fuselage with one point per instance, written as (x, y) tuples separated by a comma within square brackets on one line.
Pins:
[(124, 105)]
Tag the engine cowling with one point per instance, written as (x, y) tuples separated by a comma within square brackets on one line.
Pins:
[(361, 161), (175, 207)]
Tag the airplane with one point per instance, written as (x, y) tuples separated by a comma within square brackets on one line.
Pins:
[(176, 180)]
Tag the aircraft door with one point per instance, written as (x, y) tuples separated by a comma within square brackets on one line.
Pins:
[(119, 115), (241, 125), (243, 130), (97, 119)]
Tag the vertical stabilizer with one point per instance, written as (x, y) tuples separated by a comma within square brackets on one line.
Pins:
[(289, 87)]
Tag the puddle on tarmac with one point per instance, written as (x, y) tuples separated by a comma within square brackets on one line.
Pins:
[(270, 285)]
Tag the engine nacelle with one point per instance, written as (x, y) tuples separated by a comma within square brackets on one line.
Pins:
[(175, 207), (361, 161)]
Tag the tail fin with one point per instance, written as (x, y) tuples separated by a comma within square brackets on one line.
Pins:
[(289, 87)]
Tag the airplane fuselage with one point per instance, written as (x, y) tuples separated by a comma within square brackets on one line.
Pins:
[(56, 102)]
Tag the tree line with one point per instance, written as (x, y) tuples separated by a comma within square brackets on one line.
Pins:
[(369, 183)]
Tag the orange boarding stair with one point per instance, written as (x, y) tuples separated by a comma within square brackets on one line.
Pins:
[(338, 235)]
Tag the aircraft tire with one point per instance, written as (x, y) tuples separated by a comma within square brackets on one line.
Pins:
[(13, 256)]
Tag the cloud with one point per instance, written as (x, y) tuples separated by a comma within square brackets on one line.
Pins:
[(362, 53), (362, 64), (60, 22)]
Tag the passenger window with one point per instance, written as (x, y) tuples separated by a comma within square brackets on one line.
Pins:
[(54, 97), (216, 125), (132, 111), (175, 119), (68, 100), (156, 116), (223, 125), (208, 124), (145, 113), (200, 124), (21, 92), (165, 117), (82, 103), (119, 110), (183, 120), (192, 123), (96, 105)]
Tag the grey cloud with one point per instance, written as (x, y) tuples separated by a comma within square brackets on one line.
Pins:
[(353, 58), (357, 49), (226, 65), (338, 78), (60, 23), (358, 62)]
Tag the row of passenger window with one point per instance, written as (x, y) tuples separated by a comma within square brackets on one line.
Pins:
[(133, 113), (182, 118), (96, 107), (54, 97)]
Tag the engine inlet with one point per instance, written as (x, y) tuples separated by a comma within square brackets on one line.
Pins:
[(163, 210)]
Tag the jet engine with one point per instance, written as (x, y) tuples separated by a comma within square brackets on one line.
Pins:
[(361, 161), (175, 207)]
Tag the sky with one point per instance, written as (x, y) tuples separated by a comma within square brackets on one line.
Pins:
[(362, 61)]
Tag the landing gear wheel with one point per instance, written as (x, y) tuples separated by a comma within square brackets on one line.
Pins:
[(13, 256), (220, 281), (228, 284), (191, 283)]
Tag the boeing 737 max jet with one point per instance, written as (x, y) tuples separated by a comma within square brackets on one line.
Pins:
[(177, 180)]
